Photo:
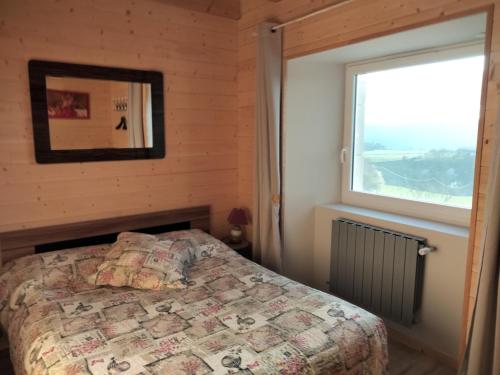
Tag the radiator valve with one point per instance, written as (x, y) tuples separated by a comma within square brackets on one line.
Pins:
[(426, 250)]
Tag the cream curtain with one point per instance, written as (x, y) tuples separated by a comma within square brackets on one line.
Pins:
[(482, 355), (147, 115), (267, 190), (135, 115)]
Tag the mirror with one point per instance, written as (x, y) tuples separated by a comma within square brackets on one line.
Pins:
[(90, 113)]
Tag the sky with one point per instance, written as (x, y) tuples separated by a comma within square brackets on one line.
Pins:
[(423, 107)]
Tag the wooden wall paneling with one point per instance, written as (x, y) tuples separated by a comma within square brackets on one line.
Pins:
[(209, 65), (360, 20), (197, 53), (480, 183)]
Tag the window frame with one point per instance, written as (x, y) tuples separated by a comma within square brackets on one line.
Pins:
[(422, 210)]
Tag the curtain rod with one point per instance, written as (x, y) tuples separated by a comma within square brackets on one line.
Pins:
[(325, 9)]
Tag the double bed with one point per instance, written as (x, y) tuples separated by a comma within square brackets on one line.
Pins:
[(234, 317)]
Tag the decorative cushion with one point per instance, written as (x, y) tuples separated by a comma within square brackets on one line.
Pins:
[(204, 243), (143, 261)]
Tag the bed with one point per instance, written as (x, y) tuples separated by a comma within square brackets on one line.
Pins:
[(234, 317)]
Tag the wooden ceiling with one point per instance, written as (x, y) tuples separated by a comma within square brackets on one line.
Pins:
[(223, 8), (232, 8)]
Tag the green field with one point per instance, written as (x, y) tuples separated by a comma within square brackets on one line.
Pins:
[(425, 196), (376, 156)]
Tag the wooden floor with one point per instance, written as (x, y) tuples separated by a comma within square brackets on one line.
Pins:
[(403, 360)]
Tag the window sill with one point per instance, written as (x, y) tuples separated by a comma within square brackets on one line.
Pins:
[(428, 225)]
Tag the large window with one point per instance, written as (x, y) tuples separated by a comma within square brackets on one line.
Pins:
[(411, 133)]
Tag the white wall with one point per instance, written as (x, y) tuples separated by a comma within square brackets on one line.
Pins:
[(444, 276), (313, 117)]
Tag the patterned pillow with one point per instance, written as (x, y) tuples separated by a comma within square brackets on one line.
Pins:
[(143, 261), (205, 244)]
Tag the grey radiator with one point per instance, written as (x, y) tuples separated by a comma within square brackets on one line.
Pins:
[(377, 269)]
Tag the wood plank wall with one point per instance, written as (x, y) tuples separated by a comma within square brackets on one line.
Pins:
[(197, 54), (209, 67), (359, 20)]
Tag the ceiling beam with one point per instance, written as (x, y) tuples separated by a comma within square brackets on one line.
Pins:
[(222, 8)]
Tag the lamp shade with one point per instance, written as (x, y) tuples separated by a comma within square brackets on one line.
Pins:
[(237, 216)]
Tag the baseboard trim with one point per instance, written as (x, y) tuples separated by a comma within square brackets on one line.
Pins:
[(419, 346)]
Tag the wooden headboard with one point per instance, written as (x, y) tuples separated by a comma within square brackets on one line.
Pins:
[(22, 242)]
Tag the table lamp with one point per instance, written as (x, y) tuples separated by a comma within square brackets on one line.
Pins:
[(237, 217)]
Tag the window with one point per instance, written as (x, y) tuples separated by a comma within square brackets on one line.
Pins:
[(411, 133)]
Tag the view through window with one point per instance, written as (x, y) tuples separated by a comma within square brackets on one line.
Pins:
[(415, 131)]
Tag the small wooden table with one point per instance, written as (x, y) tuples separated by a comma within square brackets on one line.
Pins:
[(243, 248)]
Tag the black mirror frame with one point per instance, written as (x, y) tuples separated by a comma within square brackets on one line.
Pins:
[(38, 70)]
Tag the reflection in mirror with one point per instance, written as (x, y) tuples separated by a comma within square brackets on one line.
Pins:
[(98, 114)]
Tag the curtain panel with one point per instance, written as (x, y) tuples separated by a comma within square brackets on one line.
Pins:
[(267, 189)]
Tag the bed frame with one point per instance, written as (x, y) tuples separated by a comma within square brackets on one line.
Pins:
[(22, 242)]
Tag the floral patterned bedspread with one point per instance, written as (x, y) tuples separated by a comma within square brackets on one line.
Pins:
[(235, 317)]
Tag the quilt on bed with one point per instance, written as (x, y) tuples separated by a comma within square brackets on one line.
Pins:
[(235, 317)]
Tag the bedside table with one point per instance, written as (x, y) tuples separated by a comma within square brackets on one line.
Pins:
[(244, 248)]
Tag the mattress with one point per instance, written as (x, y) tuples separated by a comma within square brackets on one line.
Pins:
[(235, 317)]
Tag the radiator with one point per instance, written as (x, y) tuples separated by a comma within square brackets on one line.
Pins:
[(377, 269)]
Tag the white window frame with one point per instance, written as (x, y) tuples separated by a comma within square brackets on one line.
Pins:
[(422, 210)]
